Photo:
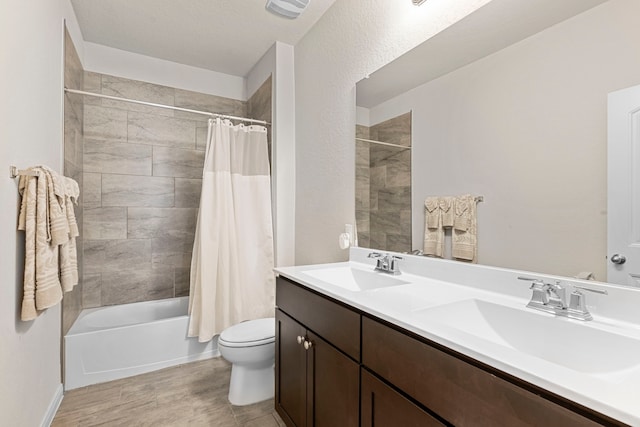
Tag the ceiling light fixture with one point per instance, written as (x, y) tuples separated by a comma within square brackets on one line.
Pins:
[(290, 9), (418, 2)]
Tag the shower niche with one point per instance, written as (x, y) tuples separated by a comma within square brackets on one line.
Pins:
[(383, 184)]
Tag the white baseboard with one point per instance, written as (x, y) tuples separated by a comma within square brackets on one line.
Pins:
[(53, 407)]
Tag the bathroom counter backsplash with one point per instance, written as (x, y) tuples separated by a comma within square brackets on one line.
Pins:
[(432, 297)]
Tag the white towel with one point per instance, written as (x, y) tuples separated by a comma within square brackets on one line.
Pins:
[(464, 237)]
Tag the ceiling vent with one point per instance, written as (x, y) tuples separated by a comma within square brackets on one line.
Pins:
[(290, 9)]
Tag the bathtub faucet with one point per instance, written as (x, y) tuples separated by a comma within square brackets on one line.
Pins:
[(386, 263)]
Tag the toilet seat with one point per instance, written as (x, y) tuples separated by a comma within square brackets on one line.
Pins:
[(249, 334)]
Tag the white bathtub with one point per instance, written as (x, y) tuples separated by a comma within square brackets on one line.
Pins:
[(119, 341)]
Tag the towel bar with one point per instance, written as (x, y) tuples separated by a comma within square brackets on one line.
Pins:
[(14, 172)]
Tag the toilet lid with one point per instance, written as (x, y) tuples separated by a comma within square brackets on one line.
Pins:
[(250, 333)]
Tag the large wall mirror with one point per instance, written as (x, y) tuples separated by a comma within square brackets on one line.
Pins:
[(510, 103)]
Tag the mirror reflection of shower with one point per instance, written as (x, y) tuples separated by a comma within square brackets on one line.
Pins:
[(383, 184)]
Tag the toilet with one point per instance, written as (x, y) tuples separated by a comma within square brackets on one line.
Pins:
[(250, 348)]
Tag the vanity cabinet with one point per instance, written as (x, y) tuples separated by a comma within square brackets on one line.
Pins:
[(456, 390), (317, 359), (382, 406), (361, 370)]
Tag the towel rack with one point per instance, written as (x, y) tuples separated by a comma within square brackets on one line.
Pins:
[(14, 172)]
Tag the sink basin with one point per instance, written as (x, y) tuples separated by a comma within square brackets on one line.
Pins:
[(573, 345), (354, 279)]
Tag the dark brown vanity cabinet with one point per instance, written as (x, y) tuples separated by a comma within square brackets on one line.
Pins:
[(317, 378), (359, 370), (382, 406)]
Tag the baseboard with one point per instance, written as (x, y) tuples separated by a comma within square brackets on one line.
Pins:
[(53, 407)]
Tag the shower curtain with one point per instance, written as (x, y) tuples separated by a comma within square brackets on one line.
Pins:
[(232, 277)]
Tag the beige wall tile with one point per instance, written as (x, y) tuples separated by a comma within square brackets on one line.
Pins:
[(177, 162), (188, 193), (120, 287), (209, 103), (105, 123), (181, 280), (146, 223), (157, 130), (129, 190), (139, 91), (91, 288), (117, 157), (105, 223), (116, 255), (92, 190)]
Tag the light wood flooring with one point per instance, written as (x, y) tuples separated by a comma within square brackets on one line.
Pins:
[(194, 394)]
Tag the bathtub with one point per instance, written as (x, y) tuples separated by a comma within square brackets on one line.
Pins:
[(119, 341)]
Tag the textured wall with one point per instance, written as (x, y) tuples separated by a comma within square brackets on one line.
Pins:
[(353, 39), (142, 181), (73, 154)]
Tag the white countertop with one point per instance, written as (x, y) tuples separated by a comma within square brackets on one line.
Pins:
[(432, 283)]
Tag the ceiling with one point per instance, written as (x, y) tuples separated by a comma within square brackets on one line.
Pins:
[(492, 27), (227, 36)]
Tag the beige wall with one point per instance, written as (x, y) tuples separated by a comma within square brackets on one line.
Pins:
[(526, 127), (31, 63)]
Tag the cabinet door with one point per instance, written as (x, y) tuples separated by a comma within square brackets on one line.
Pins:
[(382, 406), (291, 367), (333, 386)]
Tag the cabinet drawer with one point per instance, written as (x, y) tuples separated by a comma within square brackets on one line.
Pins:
[(335, 323), (459, 392)]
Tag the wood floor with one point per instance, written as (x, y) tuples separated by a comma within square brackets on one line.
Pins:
[(194, 394)]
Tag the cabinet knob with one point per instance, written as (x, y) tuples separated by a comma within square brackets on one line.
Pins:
[(300, 339), (307, 345)]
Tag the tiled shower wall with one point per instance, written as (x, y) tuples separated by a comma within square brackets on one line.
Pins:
[(142, 181), (383, 174), (73, 148)]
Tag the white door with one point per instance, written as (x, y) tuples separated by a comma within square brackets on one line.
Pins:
[(623, 206)]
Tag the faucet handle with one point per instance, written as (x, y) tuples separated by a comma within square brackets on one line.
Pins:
[(375, 255), (557, 294), (578, 306)]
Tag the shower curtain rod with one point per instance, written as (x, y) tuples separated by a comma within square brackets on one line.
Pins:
[(383, 143), (169, 107)]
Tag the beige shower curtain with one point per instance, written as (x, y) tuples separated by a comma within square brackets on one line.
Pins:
[(232, 277)]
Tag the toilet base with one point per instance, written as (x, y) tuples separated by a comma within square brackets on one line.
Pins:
[(251, 384)]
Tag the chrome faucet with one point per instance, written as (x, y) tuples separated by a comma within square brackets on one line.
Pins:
[(552, 299), (386, 263)]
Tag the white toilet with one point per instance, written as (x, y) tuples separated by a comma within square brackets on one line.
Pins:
[(250, 347)]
